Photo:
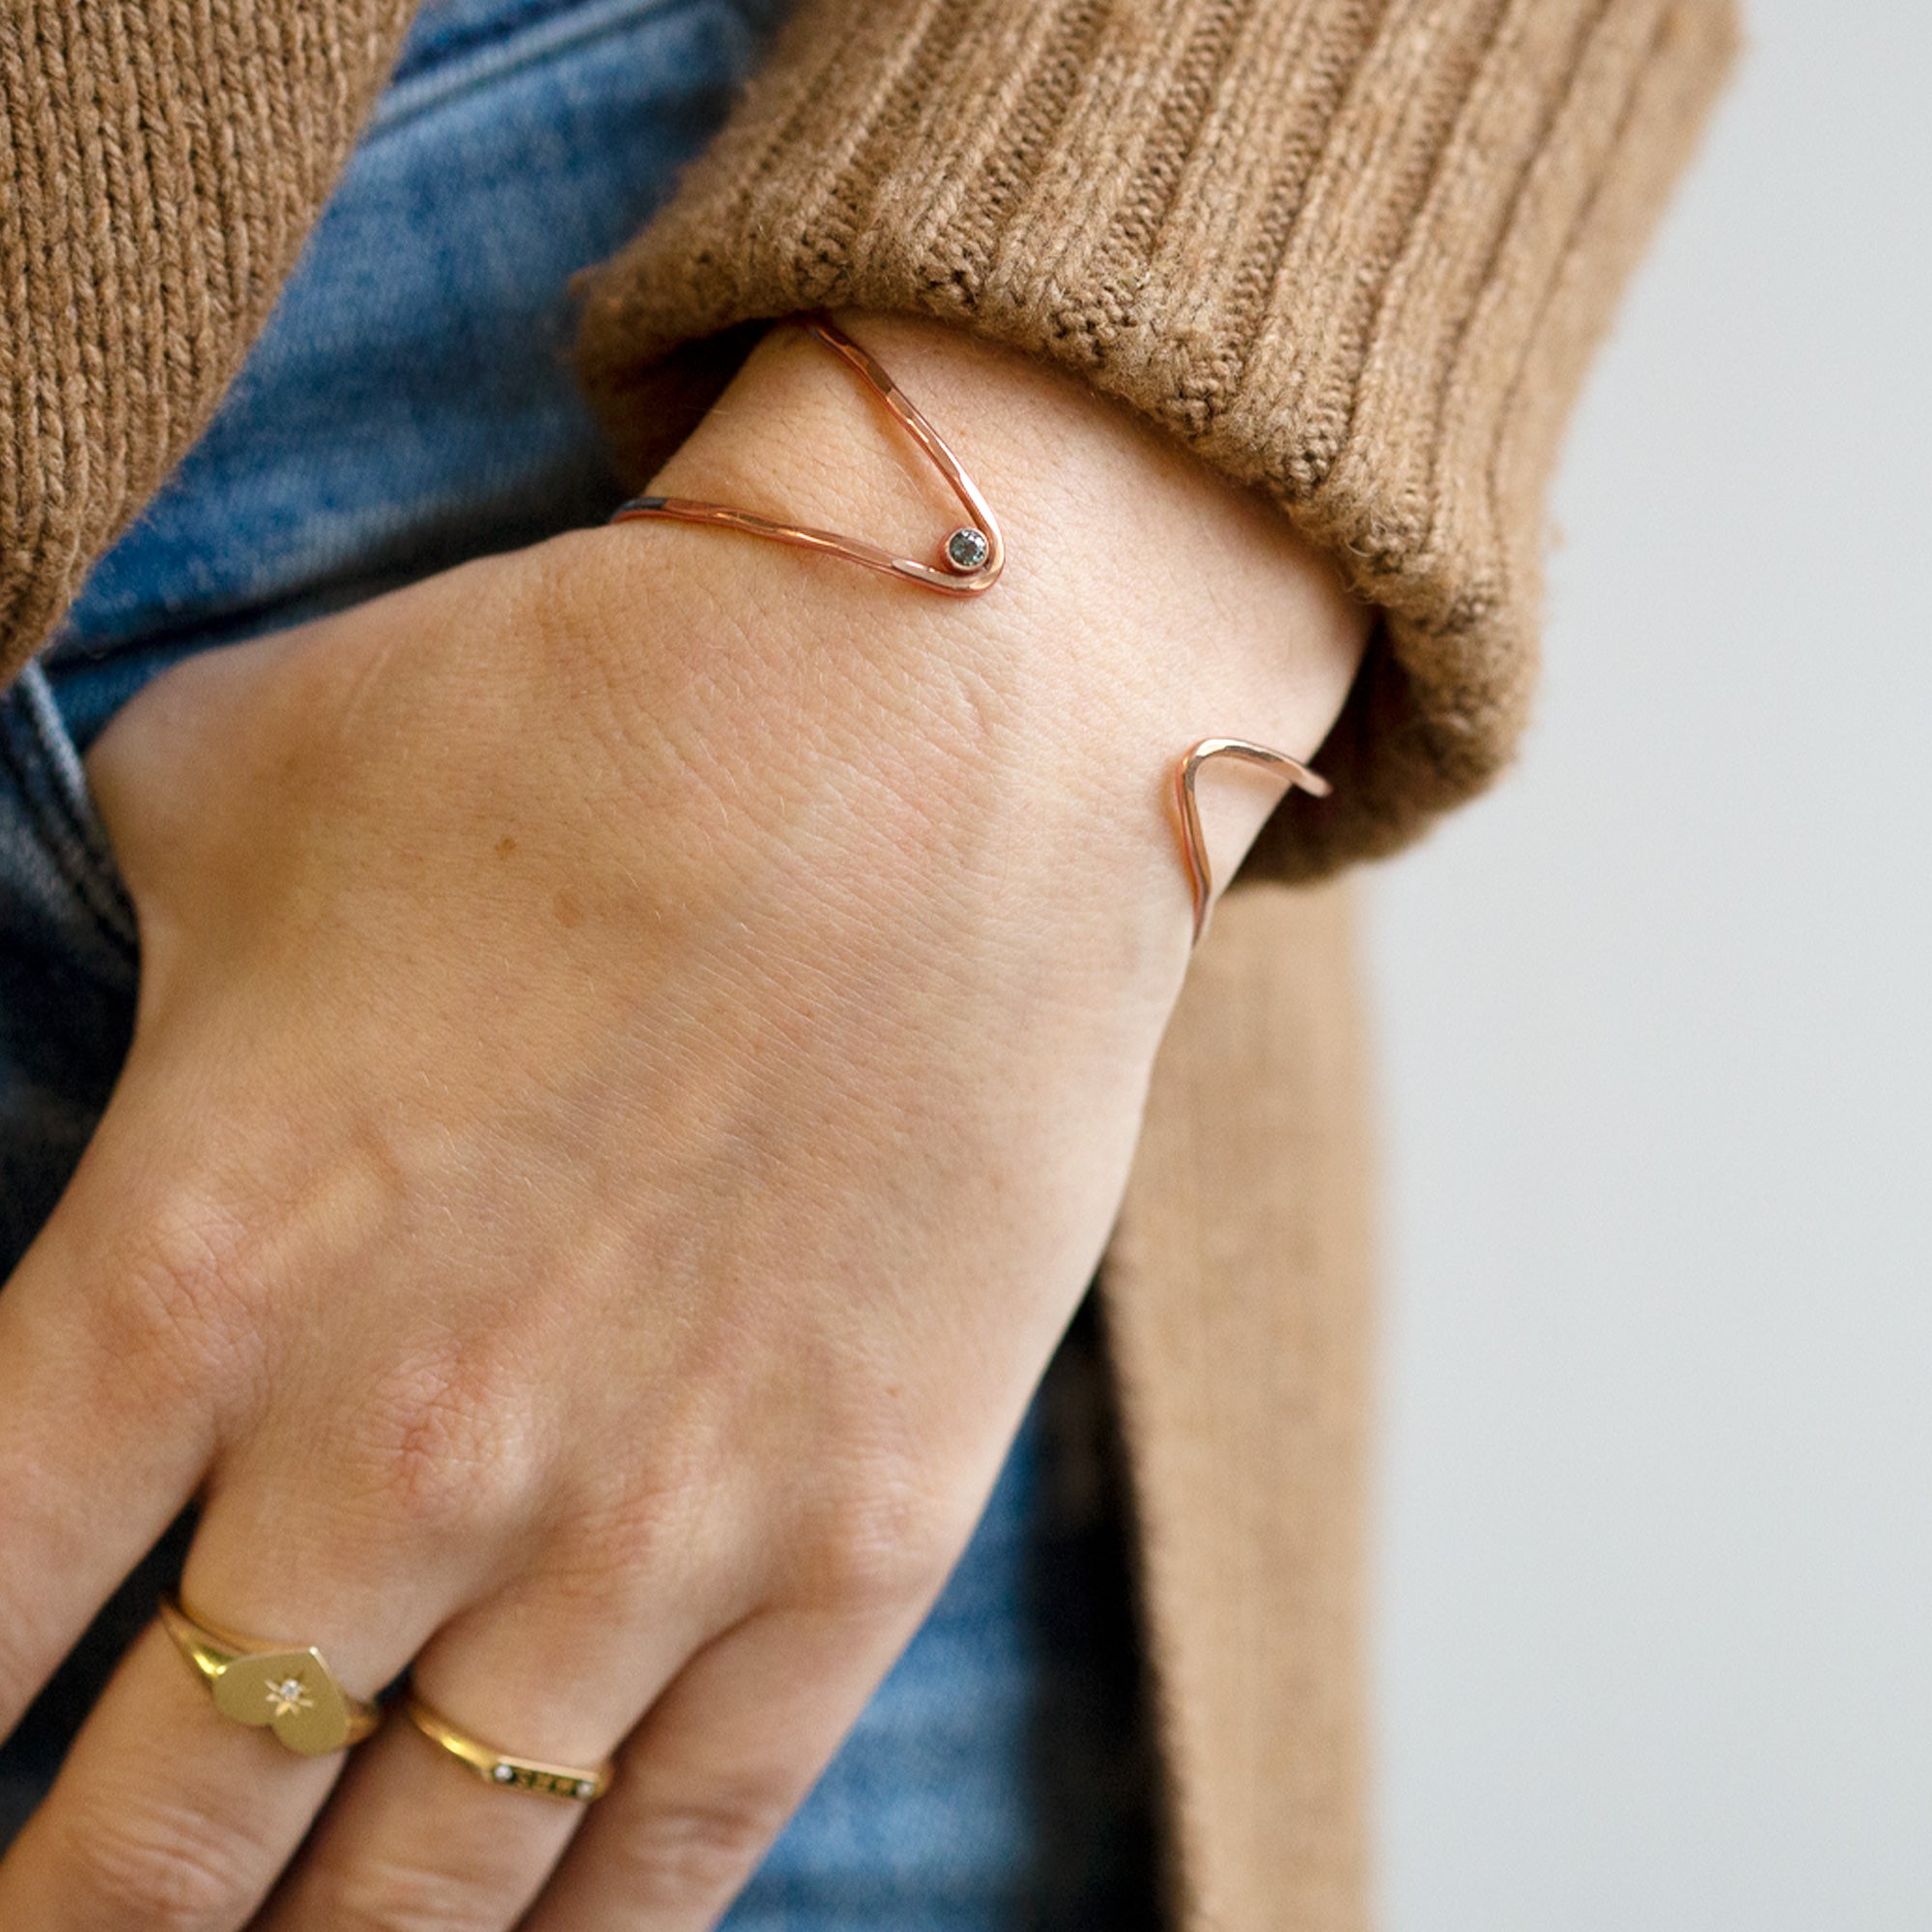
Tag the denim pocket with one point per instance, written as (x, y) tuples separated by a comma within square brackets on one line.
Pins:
[(68, 963)]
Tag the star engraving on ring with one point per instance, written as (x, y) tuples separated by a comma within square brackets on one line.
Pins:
[(287, 1697)]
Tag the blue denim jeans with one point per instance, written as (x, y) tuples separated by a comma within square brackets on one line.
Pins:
[(408, 405)]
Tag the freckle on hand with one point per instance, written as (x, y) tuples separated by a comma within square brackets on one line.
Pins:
[(567, 909), (505, 845)]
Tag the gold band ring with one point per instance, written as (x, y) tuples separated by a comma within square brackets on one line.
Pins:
[(289, 1688), (506, 1772)]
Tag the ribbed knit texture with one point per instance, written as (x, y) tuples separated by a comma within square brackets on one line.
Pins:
[(1355, 253), (163, 164)]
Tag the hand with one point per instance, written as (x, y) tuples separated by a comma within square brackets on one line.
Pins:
[(639, 1046)]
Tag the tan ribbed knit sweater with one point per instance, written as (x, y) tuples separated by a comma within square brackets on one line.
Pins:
[(1355, 251)]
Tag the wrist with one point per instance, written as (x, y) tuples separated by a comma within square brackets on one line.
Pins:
[(1146, 601)]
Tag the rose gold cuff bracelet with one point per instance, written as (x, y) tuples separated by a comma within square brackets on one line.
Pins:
[(969, 563)]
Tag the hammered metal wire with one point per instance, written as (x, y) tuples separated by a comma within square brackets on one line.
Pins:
[(948, 577), (958, 580), (1200, 872)]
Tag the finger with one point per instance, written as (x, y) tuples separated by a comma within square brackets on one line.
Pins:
[(711, 1777), (176, 1834), (545, 1673), (102, 1439), (171, 1817)]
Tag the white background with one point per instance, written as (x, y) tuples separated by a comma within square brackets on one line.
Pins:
[(1655, 1547)]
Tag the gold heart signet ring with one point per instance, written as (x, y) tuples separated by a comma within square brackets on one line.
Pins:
[(287, 1687)]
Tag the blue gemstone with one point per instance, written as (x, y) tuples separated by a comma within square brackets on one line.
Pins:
[(967, 549)]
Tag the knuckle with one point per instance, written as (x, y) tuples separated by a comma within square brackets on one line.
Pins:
[(380, 1896), (608, 1547), (160, 1868), (697, 1848), (444, 1447), (584, 1589), (881, 1549), (183, 1265), (603, 1563)]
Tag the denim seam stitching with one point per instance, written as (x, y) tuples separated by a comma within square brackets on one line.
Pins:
[(86, 863), (78, 851), (53, 835), (65, 843), (477, 66)]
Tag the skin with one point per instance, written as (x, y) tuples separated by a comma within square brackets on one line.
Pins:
[(640, 1042)]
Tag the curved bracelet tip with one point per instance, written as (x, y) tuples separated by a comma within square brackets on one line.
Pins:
[(1194, 844), (969, 562)]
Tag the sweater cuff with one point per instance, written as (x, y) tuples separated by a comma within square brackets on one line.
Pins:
[(163, 165), (1354, 255)]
